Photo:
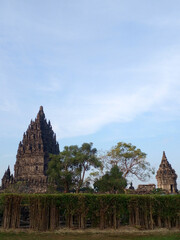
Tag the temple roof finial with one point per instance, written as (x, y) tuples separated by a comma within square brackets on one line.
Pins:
[(41, 114), (164, 155), (164, 159)]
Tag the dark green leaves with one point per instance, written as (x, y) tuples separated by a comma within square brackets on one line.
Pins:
[(111, 182)]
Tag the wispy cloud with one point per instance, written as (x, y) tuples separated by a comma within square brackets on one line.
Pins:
[(86, 114), (90, 64)]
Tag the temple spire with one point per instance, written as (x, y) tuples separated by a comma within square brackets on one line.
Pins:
[(166, 176), (164, 156), (33, 156), (41, 114), (38, 142)]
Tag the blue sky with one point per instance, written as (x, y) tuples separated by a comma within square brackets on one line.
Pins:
[(105, 71)]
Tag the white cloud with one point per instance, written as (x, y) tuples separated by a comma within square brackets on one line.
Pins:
[(85, 114), (151, 87)]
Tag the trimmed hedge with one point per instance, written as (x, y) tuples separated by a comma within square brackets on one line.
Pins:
[(48, 211)]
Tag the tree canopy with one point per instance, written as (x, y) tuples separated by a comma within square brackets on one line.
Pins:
[(61, 168), (112, 182), (68, 169), (130, 160)]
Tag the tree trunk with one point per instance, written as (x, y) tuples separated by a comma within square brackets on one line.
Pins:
[(114, 218), (151, 217), (11, 218), (102, 220), (81, 221), (178, 222), (137, 216), (159, 222), (54, 216), (169, 223)]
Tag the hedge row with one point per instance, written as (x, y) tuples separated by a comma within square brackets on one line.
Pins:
[(46, 212)]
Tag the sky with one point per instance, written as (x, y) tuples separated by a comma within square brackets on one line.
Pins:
[(105, 72)]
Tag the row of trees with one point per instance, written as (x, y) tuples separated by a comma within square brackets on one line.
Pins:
[(77, 168)]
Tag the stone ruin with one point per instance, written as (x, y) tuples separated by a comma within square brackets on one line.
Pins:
[(141, 189), (145, 188), (33, 156), (7, 178), (166, 176), (166, 180)]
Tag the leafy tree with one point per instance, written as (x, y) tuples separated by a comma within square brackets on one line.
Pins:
[(112, 181), (130, 160), (54, 170), (86, 159), (68, 169), (61, 168)]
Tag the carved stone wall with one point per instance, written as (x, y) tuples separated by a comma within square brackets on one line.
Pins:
[(166, 176), (33, 154), (145, 188)]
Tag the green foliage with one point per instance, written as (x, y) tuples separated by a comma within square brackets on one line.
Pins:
[(111, 182), (69, 167), (61, 168), (103, 210), (86, 159), (130, 160), (158, 191), (18, 187)]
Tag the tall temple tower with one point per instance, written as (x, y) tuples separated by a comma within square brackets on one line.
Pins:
[(166, 176), (33, 153)]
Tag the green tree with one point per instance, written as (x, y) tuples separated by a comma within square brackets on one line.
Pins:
[(86, 160), (130, 160), (112, 181), (68, 169), (61, 168)]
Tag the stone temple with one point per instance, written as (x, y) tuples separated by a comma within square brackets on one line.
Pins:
[(166, 176), (7, 178), (33, 156)]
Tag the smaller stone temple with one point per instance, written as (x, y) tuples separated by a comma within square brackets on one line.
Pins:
[(166, 176), (7, 178)]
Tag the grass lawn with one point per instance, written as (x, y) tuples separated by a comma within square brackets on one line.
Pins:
[(86, 236)]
